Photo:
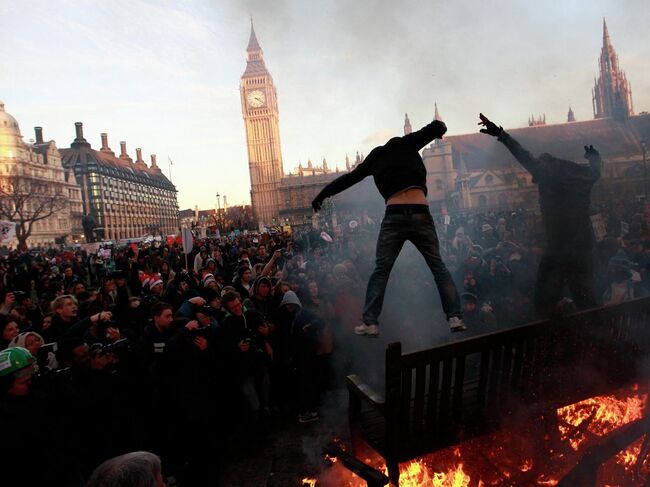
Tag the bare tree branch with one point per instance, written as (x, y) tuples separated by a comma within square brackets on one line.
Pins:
[(26, 200)]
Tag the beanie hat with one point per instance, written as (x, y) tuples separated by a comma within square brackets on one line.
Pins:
[(21, 338), (486, 227), (290, 298), (209, 294), (242, 269)]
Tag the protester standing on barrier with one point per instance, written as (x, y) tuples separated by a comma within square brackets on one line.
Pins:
[(401, 178), (564, 200)]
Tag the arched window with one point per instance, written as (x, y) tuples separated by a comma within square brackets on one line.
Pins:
[(503, 200), (489, 179), (439, 184), (482, 201)]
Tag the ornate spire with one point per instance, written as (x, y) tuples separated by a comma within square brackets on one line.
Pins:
[(325, 168), (407, 124), (436, 115), (571, 116), (612, 95), (347, 162), (255, 57), (253, 45)]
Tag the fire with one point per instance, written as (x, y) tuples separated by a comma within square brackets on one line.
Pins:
[(598, 415), (308, 482), (416, 474), (454, 478)]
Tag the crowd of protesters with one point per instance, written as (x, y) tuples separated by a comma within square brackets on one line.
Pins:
[(140, 349)]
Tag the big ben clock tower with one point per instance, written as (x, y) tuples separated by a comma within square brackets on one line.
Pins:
[(260, 110)]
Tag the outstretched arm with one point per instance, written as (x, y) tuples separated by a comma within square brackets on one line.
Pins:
[(524, 157), (346, 180), (417, 140)]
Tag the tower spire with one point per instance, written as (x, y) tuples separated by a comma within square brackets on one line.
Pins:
[(436, 115), (571, 116), (407, 124), (612, 96), (253, 45)]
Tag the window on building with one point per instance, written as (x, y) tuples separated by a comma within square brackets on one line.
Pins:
[(489, 179), (439, 184), (482, 201)]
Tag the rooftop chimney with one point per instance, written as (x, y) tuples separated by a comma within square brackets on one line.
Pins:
[(39, 134), (138, 155), (105, 148), (153, 160), (123, 155), (79, 141)]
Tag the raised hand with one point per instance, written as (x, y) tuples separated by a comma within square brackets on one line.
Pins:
[(591, 153), (316, 204), (441, 128), (491, 128)]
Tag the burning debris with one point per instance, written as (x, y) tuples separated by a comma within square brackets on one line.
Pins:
[(572, 438)]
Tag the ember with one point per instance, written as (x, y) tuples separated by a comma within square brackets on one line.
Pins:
[(308, 482)]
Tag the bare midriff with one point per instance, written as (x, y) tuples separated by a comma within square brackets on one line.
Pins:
[(410, 196)]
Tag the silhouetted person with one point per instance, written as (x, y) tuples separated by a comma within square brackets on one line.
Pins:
[(564, 200), (401, 178)]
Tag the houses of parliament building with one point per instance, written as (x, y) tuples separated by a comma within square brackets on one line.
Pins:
[(468, 172)]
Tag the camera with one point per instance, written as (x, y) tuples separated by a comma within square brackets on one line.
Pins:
[(117, 347)]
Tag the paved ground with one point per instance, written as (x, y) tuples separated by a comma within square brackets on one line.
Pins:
[(291, 451)]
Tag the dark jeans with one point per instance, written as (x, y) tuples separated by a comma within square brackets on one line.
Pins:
[(572, 267), (420, 230)]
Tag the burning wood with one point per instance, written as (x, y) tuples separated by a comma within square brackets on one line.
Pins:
[(513, 457)]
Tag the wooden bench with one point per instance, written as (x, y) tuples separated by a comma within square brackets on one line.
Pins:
[(439, 397)]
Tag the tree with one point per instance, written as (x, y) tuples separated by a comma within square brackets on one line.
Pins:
[(26, 200)]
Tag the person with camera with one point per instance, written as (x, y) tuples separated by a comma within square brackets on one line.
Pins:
[(30, 434), (400, 177), (245, 355), (89, 397), (188, 391), (564, 200)]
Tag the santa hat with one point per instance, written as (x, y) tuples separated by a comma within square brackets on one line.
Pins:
[(154, 282), (207, 279)]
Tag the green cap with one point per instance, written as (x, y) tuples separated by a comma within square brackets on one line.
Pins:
[(14, 359)]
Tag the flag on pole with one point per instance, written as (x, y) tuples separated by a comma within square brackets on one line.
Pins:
[(7, 231)]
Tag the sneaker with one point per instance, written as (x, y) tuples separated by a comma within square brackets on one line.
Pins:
[(308, 417), (367, 330), (456, 324)]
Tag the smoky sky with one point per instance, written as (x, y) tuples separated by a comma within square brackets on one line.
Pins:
[(165, 75)]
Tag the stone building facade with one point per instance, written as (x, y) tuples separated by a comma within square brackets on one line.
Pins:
[(39, 164), (123, 198)]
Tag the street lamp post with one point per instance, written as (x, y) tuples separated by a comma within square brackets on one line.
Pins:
[(644, 151), (218, 208)]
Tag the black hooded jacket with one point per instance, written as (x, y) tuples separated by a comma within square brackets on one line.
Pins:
[(564, 193), (395, 166)]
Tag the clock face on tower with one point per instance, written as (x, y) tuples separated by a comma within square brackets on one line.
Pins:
[(255, 99)]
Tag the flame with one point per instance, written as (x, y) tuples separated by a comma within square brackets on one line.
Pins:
[(416, 474), (604, 414), (308, 482), (527, 465), (454, 478)]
